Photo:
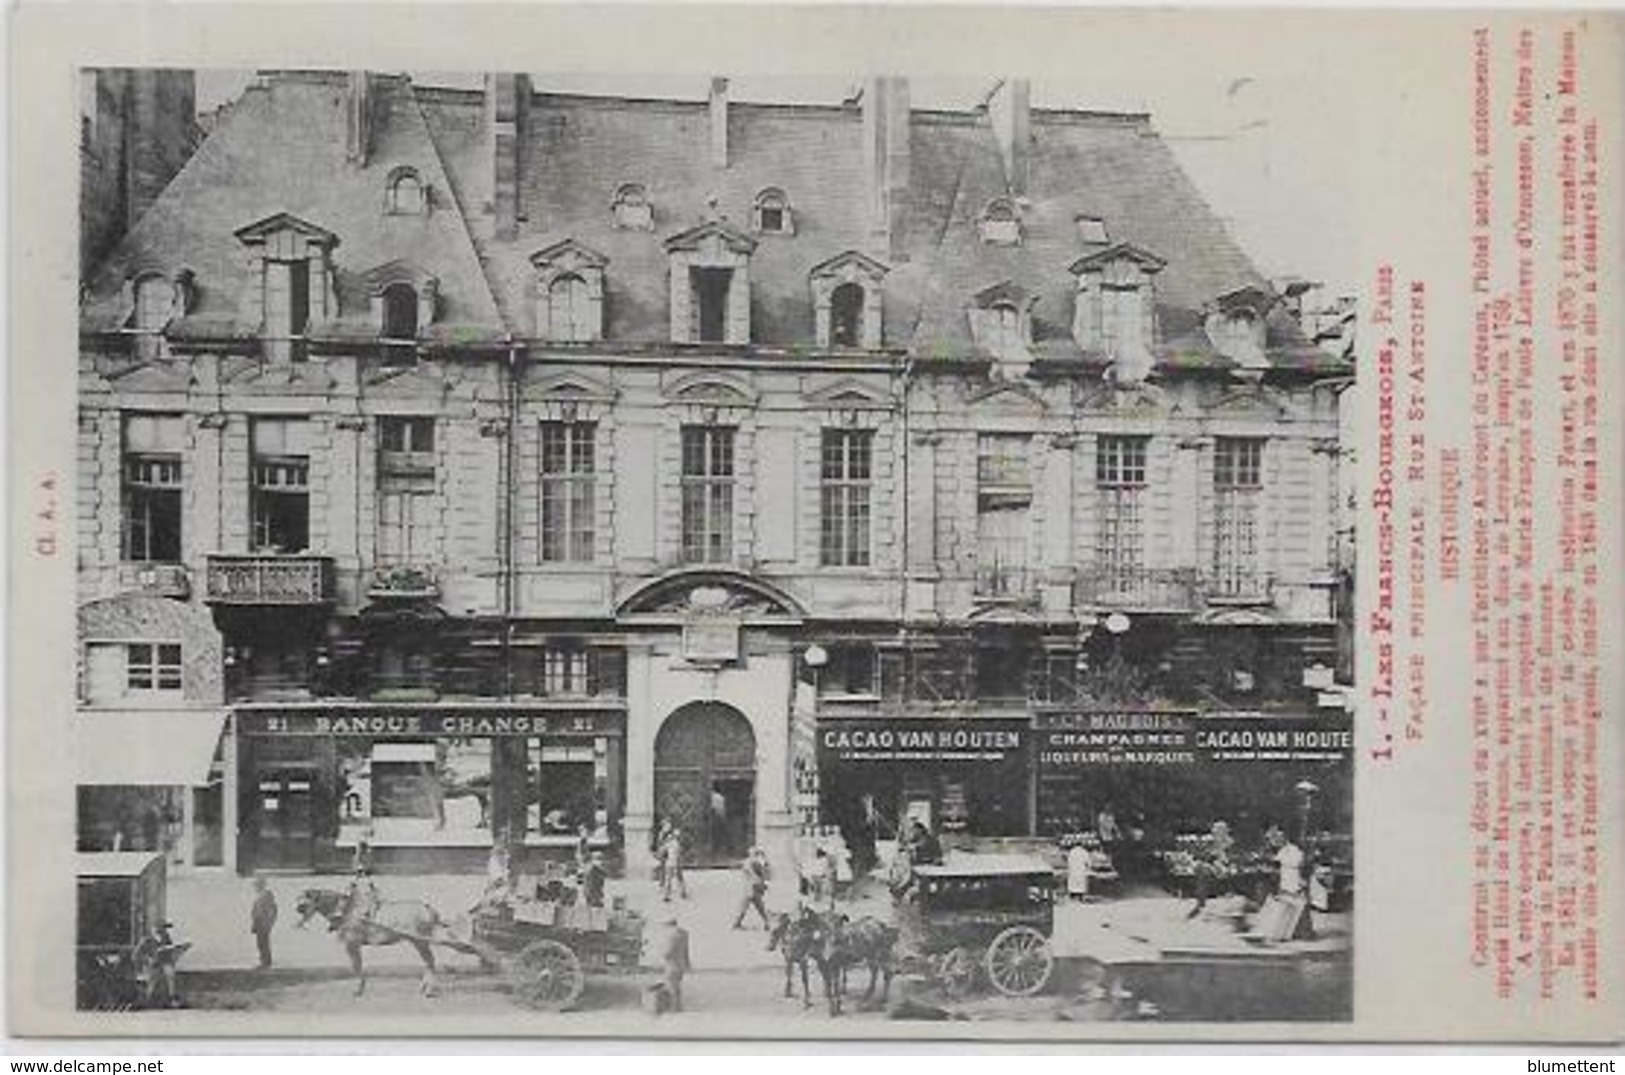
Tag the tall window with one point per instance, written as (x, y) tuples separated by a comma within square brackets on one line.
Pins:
[(406, 490), (710, 303), (1007, 336), (1237, 490), (1120, 487), (280, 485), (708, 494), (400, 328), (844, 496), (150, 666), (568, 491), (1123, 319), (151, 497), (846, 316), (154, 304), (1004, 495), (287, 307), (570, 310)]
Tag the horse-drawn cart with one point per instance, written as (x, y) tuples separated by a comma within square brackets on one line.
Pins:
[(981, 917), (547, 949)]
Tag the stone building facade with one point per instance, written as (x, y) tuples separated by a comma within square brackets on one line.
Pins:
[(547, 463)]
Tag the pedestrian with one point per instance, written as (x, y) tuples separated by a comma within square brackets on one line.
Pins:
[(361, 861), (261, 919), (1077, 870), (825, 878), (754, 875), (583, 847), (674, 961), (671, 865), (592, 880)]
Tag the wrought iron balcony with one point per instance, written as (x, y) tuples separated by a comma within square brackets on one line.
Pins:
[(269, 579), (1001, 583), (1137, 590), (159, 580), (1239, 588)]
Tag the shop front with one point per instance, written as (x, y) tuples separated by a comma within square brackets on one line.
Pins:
[(1172, 772), (966, 776), (428, 788), (152, 780)]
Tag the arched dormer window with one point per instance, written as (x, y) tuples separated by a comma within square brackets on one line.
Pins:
[(1001, 321), (631, 209), (570, 309), (773, 215), (847, 300), (569, 293), (1000, 224), (1005, 335), (153, 305), (405, 194)]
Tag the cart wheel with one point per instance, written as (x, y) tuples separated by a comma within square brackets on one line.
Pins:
[(1019, 962), (547, 976), (956, 970)]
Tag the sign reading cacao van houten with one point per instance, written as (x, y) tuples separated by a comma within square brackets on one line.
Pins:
[(915, 739)]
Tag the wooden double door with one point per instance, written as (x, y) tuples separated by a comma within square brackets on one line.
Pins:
[(705, 781)]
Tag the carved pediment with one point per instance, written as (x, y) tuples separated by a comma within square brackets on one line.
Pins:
[(1254, 400), (399, 271), (852, 266), (710, 593), (167, 377), (569, 255), (1007, 397), (257, 233), (848, 392), (1005, 292), (717, 389), (408, 382), (267, 378), (571, 386), (1097, 261), (1124, 398), (713, 236)]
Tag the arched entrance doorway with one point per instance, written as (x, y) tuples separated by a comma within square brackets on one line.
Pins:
[(705, 780)]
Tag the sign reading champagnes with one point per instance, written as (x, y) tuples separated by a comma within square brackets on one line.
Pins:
[(1068, 740)]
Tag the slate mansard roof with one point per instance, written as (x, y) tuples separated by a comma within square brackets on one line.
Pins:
[(281, 148)]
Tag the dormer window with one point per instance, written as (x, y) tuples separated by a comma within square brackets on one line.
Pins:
[(1092, 230), (403, 304), (710, 284), (1000, 225), (1235, 324), (405, 194), (569, 293), (294, 258), (1114, 316), (631, 209), (773, 215), (154, 305), (400, 333), (1001, 319), (847, 300)]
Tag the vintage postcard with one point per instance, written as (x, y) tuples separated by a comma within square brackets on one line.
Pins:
[(1063, 523)]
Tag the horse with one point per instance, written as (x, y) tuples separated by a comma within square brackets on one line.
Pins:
[(391, 922), (866, 942), (803, 938)]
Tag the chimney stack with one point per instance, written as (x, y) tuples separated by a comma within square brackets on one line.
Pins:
[(1010, 109), (886, 158), (507, 102), (719, 122), (358, 116)]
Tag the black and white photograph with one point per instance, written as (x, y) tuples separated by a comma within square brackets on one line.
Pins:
[(840, 550)]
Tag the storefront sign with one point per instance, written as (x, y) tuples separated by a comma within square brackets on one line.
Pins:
[(1068, 740), (916, 740), (427, 723)]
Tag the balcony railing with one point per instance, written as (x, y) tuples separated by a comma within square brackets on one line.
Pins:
[(159, 580), (269, 579), (1239, 588), (1140, 590)]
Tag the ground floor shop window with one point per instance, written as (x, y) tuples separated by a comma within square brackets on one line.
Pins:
[(115, 818), (569, 779), (436, 791)]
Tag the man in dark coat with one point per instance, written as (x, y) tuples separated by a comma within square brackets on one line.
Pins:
[(674, 961), (262, 918)]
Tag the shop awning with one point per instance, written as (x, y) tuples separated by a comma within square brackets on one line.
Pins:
[(147, 747)]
